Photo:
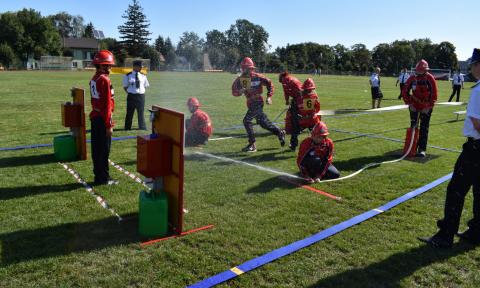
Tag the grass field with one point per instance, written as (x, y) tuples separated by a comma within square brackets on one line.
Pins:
[(54, 234)]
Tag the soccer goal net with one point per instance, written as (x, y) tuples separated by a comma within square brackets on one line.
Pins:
[(55, 63)]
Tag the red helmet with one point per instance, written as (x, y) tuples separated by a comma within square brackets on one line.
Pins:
[(320, 129), (308, 84), (193, 102), (247, 62), (422, 67), (104, 57)]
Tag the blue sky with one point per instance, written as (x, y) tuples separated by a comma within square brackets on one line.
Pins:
[(326, 22)]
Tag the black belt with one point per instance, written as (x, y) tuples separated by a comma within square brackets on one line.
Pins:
[(471, 139), (136, 93)]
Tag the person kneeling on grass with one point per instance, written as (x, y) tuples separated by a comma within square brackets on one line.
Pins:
[(316, 154), (199, 126)]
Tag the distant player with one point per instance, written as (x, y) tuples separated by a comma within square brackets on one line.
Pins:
[(375, 88), (316, 155), (250, 84), (424, 95), (457, 85), (402, 79), (198, 127)]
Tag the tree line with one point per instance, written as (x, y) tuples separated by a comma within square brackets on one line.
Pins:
[(26, 34)]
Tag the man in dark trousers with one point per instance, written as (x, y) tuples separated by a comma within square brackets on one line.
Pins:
[(466, 174), (134, 83), (102, 94), (423, 88), (457, 85), (402, 79), (250, 84)]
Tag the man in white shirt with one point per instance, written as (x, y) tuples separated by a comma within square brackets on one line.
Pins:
[(457, 83), (375, 88), (134, 83), (466, 174), (402, 79)]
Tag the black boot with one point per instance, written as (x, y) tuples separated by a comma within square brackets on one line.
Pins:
[(439, 240), (471, 236)]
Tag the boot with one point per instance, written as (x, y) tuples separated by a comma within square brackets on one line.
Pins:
[(439, 240)]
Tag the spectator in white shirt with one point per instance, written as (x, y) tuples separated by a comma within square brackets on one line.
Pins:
[(375, 88), (457, 83), (402, 79), (134, 83)]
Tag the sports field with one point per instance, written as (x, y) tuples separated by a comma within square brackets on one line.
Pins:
[(53, 233)]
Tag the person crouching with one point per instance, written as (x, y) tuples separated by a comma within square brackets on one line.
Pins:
[(199, 126), (316, 154)]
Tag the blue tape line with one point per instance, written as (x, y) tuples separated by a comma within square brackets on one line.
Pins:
[(50, 145), (25, 147), (295, 246)]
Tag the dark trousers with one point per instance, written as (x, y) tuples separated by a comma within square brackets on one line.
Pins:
[(255, 111), (295, 121), (456, 89), (315, 166), (135, 101), (194, 138), (465, 175), (424, 126), (401, 88), (100, 150)]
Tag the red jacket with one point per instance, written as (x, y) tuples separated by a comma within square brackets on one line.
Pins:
[(200, 122), (292, 87), (102, 100), (308, 105), (324, 150), (255, 92), (424, 91)]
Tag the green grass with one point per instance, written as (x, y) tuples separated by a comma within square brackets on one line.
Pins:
[(53, 233)]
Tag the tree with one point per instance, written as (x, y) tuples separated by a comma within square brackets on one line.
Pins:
[(6, 55), (134, 33), (160, 44), (68, 25), (190, 46), (250, 39), (215, 46), (361, 57), (29, 34), (170, 56), (88, 32), (445, 57), (151, 53)]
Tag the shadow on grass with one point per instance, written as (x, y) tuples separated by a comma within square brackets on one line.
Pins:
[(67, 239), (271, 184), (8, 193), (27, 160), (390, 271)]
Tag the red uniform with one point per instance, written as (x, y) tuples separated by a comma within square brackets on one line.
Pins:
[(292, 87), (200, 123), (102, 99), (424, 91), (254, 94), (323, 150), (307, 107)]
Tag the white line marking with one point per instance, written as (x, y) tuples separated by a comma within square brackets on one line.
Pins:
[(251, 165), (378, 210)]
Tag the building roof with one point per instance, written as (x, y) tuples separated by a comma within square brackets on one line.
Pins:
[(85, 43)]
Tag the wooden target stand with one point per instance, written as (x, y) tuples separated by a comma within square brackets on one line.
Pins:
[(73, 116)]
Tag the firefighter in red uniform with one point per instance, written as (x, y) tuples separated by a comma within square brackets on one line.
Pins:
[(199, 126), (250, 84), (292, 90), (316, 154), (102, 94), (420, 102)]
